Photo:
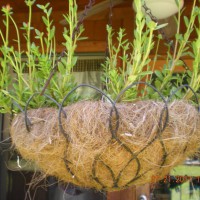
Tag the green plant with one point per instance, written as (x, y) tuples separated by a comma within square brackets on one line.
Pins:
[(18, 86), (130, 61)]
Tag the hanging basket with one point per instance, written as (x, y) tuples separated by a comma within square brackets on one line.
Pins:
[(107, 145)]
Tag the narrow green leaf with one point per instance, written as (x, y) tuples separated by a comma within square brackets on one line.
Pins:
[(45, 20), (145, 73), (37, 32), (160, 26), (40, 6), (49, 12), (186, 20), (159, 74)]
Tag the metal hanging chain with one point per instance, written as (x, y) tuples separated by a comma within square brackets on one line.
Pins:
[(162, 32), (153, 18), (76, 30), (80, 22)]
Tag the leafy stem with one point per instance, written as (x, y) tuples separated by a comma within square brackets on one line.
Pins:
[(29, 3), (183, 40)]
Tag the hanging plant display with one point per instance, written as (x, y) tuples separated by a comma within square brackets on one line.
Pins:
[(129, 136)]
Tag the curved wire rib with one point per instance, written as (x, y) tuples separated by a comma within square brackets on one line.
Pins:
[(22, 111), (27, 121), (66, 135), (185, 86), (160, 130), (18, 106), (112, 130), (196, 99), (95, 178), (160, 94)]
